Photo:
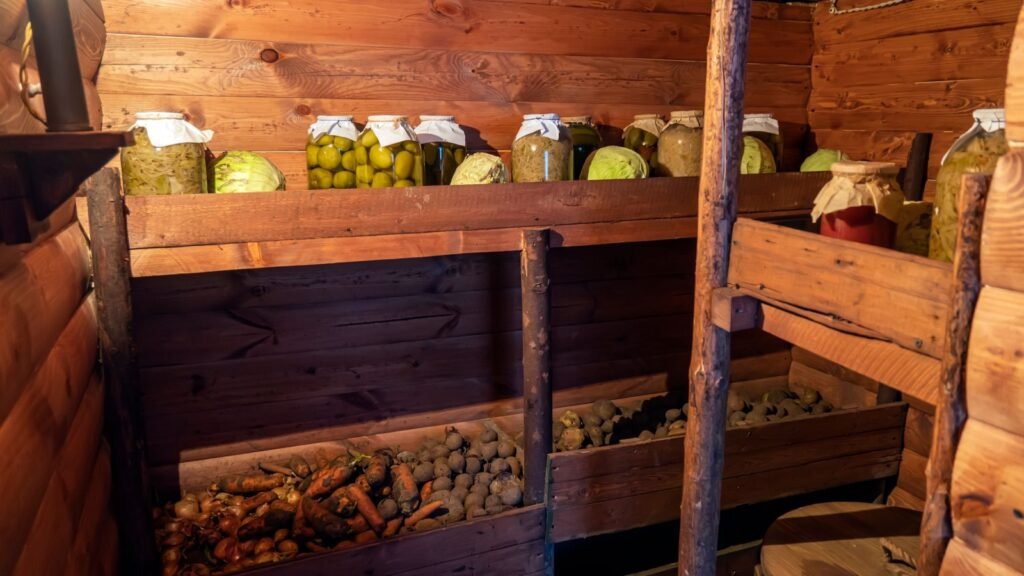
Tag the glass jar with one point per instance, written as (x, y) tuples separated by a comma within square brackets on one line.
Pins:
[(330, 158), (642, 137), (388, 154), (978, 150), (169, 156), (585, 139), (680, 144), (444, 148), (765, 128), (861, 203), (542, 151)]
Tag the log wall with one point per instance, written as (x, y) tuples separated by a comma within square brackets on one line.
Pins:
[(57, 518), (257, 73), (880, 76)]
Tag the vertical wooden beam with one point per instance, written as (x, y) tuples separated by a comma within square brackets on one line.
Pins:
[(112, 276), (536, 361), (951, 411), (709, 363)]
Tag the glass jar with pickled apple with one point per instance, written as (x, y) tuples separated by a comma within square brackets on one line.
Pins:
[(387, 154), (444, 148), (642, 137), (330, 157)]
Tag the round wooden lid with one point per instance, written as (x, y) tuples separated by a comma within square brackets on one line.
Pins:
[(838, 538)]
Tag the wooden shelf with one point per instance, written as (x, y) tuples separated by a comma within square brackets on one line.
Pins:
[(214, 232), (41, 171), (878, 312)]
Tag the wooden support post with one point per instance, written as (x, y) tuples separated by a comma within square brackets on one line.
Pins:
[(704, 450), (536, 361), (112, 275), (951, 410)]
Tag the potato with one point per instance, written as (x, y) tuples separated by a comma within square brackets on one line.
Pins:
[(592, 420), (484, 478), (661, 432), (821, 408), (442, 483), (512, 496), (488, 435), (459, 494), (501, 482), (571, 419), (424, 456), (514, 466), (735, 402), (439, 451), (572, 439), (426, 524), (604, 409), (454, 440), (556, 429), (498, 465), (595, 434), (673, 414), (810, 396), (387, 508), (456, 462), (646, 435), (481, 490), (464, 481), (506, 448), (489, 451), (776, 395), (406, 457), (440, 495), (492, 501), (475, 499), (423, 472), (473, 465), (475, 512), (607, 427), (736, 416)]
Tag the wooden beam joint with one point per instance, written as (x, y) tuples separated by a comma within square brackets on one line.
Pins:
[(734, 311)]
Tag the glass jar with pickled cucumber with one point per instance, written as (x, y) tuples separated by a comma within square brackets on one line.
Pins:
[(169, 156), (765, 128), (978, 150), (680, 144), (444, 148), (330, 157), (642, 137), (388, 154), (542, 151), (585, 139)]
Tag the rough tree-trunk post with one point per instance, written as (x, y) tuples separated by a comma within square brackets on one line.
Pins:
[(951, 412), (709, 364), (536, 361), (112, 275)]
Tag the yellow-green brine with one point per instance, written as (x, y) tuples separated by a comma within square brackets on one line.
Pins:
[(444, 148), (388, 154), (330, 154), (168, 157)]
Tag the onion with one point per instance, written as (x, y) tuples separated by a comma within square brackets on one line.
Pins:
[(172, 555), (229, 524), (187, 508)]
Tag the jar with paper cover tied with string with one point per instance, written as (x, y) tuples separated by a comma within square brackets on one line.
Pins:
[(388, 154), (542, 151), (680, 144), (861, 203), (641, 136), (330, 154), (764, 128), (444, 148), (168, 157)]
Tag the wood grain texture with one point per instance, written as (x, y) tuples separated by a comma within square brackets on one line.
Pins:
[(95, 512), (1001, 239), (885, 145), (917, 17), (903, 499), (916, 375), (1015, 88), (918, 436), (837, 392), (912, 473), (994, 369), (812, 360), (961, 560), (988, 493), (87, 23), (901, 296), (535, 296)]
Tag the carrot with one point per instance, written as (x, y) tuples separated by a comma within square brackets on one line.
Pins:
[(320, 458), (264, 525), (341, 503), (254, 502), (365, 537), (321, 519), (358, 524), (250, 484), (275, 469), (425, 491), (404, 488), (366, 507), (299, 523), (362, 483), (424, 511), (314, 547), (377, 470), (326, 480), (392, 527)]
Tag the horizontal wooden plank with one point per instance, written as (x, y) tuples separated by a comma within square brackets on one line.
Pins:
[(960, 560), (760, 366), (238, 68), (519, 560), (741, 443), (911, 476), (916, 375), (898, 295), (413, 553), (758, 9), (887, 146), (458, 25), (961, 53), (920, 16), (995, 373), (1001, 243), (942, 105), (662, 506), (903, 499), (988, 492), (837, 392), (1014, 94), (843, 373), (188, 220), (95, 512)]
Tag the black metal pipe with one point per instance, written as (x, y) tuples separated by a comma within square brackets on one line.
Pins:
[(54, 41)]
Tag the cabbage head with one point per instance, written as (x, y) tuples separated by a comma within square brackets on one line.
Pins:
[(480, 168), (240, 171), (757, 157), (616, 163), (822, 160)]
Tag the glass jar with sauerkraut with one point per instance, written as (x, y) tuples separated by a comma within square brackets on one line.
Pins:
[(641, 136), (168, 157), (680, 144), (977, 151), (542, 151), (444, 148), (388, 154), (330, 158)]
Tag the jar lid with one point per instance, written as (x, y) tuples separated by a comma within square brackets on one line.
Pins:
[(346, 118), (684, 114), (554, 117), (159, 116), (855, 167), (577, 120), (429, 118), (647, 116), (386, 118), (990, 115)]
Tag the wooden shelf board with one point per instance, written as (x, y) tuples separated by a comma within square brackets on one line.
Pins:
[(65, 141)]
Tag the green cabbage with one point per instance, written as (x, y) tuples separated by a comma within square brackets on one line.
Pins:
[(757, 157), (239, 171), (480, 168), (822, 160), (616, 163)]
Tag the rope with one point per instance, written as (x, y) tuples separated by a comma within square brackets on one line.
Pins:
[(27, 90)]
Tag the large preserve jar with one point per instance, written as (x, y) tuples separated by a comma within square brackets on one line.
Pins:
[(642, 137), (765, 128), (542, 151), (388, 154), (169, 156), (977, 150), (861, 203), (444, 148), (680, 144), (585, 139), (330, 157)]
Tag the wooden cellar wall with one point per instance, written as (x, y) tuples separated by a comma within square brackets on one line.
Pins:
[(57, 517), (880, 76)]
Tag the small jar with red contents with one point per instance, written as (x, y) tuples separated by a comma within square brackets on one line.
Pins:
[(861, 203)]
